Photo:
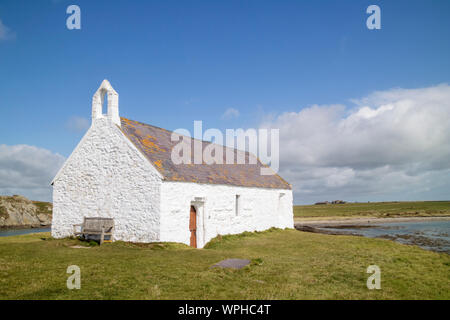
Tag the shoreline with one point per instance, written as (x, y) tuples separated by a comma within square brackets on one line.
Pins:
[(362, 221), (355, 227), (25, 226)]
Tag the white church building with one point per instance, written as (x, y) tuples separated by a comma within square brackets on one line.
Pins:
[(122, 169)]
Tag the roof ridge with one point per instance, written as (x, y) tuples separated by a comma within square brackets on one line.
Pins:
[(210, 142)]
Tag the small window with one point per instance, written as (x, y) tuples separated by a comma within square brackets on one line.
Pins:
[(238, 204)]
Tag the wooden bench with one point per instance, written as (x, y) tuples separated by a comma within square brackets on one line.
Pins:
[(96, 226)]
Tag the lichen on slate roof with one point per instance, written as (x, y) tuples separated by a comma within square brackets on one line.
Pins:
[(156, 145)]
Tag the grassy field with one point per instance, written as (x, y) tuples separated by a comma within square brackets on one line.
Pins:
[(286, 264), (375, 210)]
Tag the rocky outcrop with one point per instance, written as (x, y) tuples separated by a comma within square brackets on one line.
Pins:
[(18, 211)]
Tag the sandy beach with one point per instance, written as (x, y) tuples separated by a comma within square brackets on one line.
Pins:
[(351, 221)]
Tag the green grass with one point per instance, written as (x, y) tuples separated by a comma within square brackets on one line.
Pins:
[(286, 264), (375, 209)]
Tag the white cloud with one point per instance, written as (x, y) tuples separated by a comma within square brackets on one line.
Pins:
[(230, 113), (28, 171), (5, 32), (392, 145), (78, 124)]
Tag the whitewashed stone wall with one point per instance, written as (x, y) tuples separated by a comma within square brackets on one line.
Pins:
[(106, 176), (261, 209)]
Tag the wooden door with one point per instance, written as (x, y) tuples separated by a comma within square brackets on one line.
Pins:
[(193, 227)]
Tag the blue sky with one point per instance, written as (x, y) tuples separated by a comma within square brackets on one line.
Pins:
[(173, 62)]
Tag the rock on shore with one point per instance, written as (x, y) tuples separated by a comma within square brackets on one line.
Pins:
[(18, 211)]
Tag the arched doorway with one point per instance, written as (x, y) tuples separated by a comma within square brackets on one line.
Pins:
[(193, 227)]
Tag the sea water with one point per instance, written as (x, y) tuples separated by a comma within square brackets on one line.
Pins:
[(17, 232), (431, 235)]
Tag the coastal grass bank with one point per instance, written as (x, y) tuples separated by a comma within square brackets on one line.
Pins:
[(285, 264)]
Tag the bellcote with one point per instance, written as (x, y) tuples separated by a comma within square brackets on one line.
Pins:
[(113, 103)]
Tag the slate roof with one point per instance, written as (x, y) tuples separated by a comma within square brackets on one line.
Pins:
[(156, 146)]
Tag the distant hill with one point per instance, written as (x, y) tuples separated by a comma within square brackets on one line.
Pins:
[(18, 211)]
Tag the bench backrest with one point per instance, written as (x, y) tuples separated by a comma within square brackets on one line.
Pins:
[(97, 223)]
